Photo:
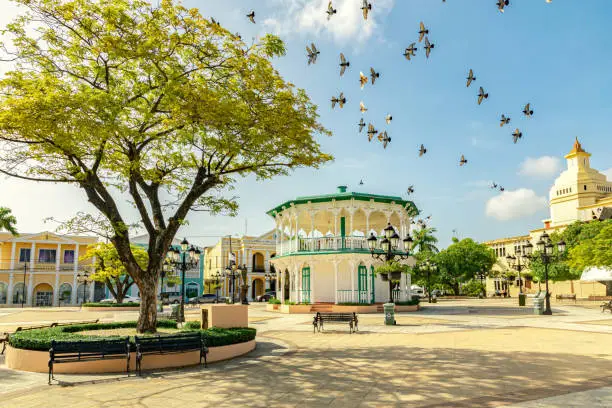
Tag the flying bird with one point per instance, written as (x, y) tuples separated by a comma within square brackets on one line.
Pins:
[(384, 138), (361, 182), (362, 107), (422, 31), (340, 100), (462, 161), (470, 78), (422, 151), (516, 135), (502, 189), (410, 51), (388, 119), (374, 75), (504, 120), (482, 95), (428, 47), (362, 79), (343, 64), (215, 22), (494, 186), (251, 16), (330, 10), (367, 6), (527, 110), (361, 125), (313, 53), (371, 132), (501, 4), (410, 190)]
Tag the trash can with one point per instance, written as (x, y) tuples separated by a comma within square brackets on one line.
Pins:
[(522, 299), (175, 310), (538, 305), (389, 309)]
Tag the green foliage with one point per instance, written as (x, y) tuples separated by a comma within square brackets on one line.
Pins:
[(290, 302), (153, 101), (274, 301), (424, 240), (462, 260), (40, 339), (473, 288), (193, 325), (7, 221), (97, 304), (412, 302), (391, 267), (595, 251)]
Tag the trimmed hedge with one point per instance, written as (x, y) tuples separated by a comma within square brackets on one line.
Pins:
[(193, 325), (413, 302), (97, 304), (40, 339), (274, 301)]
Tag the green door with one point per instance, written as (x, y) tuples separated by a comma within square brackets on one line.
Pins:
[(372, 291), (362, 280), (306, 285)]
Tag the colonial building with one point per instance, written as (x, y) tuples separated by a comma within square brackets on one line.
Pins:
[(43, 269), (322, 250), (253, 252), (580, 193)]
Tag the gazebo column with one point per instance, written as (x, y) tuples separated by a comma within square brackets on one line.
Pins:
[(312, 286), (352, 282), (335, 281), (351, 228), (367, 214), (312, 229), (403, 291), (297, 232)]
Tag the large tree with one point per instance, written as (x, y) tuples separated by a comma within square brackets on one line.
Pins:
[(425, 240), (462, 260), (156, 103), (596, 251), (7, 221)]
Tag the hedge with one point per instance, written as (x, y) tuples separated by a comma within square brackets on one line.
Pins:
[(40, 339), (97, 304)]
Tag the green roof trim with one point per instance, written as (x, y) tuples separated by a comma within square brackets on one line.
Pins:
[(342, 195)]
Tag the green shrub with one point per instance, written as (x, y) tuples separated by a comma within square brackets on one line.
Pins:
[(274, 301), (289, 302), (127, 304), (412, 302), (472, 288), (192, 325), (216, 337)]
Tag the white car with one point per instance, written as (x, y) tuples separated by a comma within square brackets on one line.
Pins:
[(127, 299)]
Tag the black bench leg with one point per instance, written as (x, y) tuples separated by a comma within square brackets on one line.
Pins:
[(138, 364), (127, 369), (203, 355), (50, 371)]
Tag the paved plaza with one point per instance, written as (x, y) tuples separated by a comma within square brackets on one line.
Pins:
[(474, 353)]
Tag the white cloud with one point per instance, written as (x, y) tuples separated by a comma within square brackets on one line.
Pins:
[(540, 167), (608, 174), (515, 204), (310, 17)]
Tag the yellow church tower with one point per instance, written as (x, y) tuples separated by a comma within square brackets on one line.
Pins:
[(580, 192)]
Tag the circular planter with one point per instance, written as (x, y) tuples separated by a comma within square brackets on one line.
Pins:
[(384, 277)]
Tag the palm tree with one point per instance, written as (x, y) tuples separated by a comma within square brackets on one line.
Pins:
[(7, 221), (425, 241)]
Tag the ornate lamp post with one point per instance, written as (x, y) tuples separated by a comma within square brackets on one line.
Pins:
[(389, 249), (270, 277), (482, 275), (429, 267), (519, 261), (83, 278), (182, 260), (231, 273), (244, 287), (215, 279), (545, 249)]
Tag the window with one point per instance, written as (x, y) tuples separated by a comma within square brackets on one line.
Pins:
[(46, 255), (19, 293), (24, 254), (69, 256), (585, 187)]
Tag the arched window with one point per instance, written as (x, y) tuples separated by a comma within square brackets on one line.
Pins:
[(65, 293), (19, 293), (3, 293), (82, 294)]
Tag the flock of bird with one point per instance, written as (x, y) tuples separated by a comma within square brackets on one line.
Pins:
[(313, 53)]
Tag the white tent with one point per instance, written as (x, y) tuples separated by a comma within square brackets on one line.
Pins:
[(596, 274)]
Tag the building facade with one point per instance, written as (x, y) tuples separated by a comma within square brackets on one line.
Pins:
[(579, 193), (322, 251), (253, 252), (41, 269)]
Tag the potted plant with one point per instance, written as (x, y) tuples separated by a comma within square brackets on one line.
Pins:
[(391, 271)]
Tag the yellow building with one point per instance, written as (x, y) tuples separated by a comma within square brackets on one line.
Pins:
[(580, 193), (253, 252), (43, 267)]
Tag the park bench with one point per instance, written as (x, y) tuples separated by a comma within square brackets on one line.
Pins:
[(321, 318), (567, 296), (180, 343), (606, 305), (82, 351), (4, 337)]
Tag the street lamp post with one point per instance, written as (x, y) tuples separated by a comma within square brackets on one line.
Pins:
[(519, 261), (23, 295), (389, 249), (178, 258), (270, 277), (545, 249), (84, 278), (244, 288), (429, 267), (215, 279)]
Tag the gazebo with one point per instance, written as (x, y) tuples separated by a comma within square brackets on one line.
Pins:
[(322, 254)]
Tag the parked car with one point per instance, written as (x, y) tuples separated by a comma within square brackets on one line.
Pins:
[(170, 297), (127, 299), (437, 293), (417, 291), (205, 298), (266, 296)]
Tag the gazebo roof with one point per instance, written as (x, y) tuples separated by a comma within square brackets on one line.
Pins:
[(343, 195)]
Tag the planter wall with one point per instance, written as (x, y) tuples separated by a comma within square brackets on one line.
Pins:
[(412, 308), (226, 316), (111, 309), (356, 309), (36, 361), (295, 308), (272, 307)]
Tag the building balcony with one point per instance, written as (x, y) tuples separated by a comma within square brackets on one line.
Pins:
[(323, 245)]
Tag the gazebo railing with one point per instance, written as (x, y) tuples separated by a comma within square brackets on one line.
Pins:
[(345, 296), (324, 244)]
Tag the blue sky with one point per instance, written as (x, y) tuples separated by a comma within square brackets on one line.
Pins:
[(555, 56)]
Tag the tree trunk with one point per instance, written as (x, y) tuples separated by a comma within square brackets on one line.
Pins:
[(147, 321), (456, 288)]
